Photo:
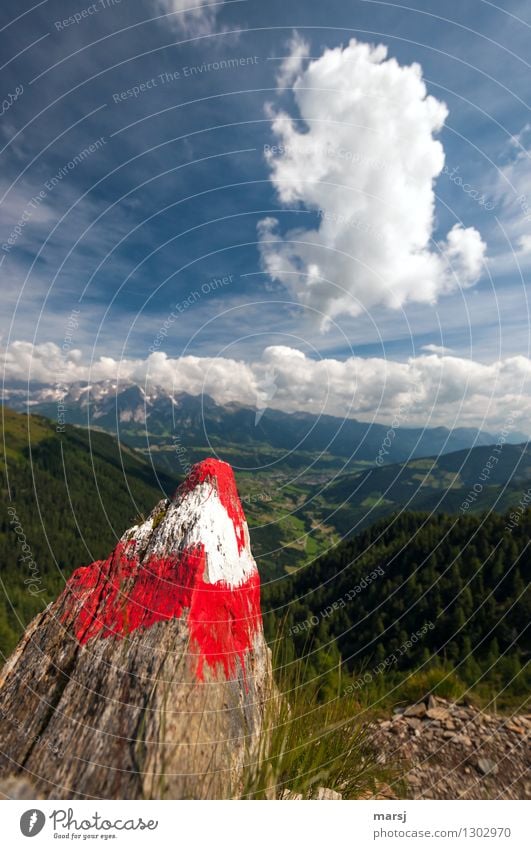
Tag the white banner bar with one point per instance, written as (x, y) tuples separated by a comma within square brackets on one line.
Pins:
[(267, 825)]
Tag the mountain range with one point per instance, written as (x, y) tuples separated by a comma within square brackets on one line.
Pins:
[(181, 428), (299, 521)]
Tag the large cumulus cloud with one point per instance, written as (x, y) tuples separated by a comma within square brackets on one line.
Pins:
[(363, 156)]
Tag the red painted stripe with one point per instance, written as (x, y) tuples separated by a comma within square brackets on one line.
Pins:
[(115, 597)]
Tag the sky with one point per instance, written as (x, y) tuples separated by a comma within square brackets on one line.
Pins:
[(320, 207)]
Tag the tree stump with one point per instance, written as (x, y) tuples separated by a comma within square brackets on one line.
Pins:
[(148, 676)]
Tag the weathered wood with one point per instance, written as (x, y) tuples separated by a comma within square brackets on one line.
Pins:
[(147, 677)]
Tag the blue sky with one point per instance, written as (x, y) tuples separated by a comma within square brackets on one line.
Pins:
[(171, 196)]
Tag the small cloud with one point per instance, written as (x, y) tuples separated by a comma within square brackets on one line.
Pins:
[(441, 350), (293, 63), (522, 139), (513, 190), (192, 18)]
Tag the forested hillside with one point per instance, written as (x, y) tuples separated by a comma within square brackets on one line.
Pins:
[(65, 500), (463, 582)]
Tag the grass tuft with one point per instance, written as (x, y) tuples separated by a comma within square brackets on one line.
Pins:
[(307, 745)]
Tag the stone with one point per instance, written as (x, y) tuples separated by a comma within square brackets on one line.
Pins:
[(289, 796), (462, 740), (324, 793), (14, 787), (486, 766), (151, 668), (438, 714), (415, 710), (481, 759), (384, 791), (516, 729), (460, 715)]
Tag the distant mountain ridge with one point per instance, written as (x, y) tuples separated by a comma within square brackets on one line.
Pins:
[(316, 516), (297, 508), (150, 419), (459, 482)]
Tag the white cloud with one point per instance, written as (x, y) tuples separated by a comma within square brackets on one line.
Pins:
[(365, 159), (514, 191), (436, 349), (435, 389), (191, 16), (292, 64), (519, 140)]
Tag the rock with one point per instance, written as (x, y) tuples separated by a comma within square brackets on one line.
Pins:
[(324, 793), (467, 763), (438, 714), (462, 740), (151, 670), (415, 710), (383, 791), (486, 766), (516, 729), (17, 787), (289, 796)]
